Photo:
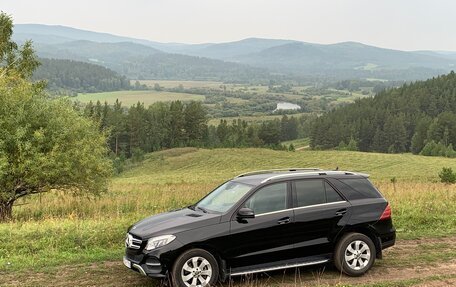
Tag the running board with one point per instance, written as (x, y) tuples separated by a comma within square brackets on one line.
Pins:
[(292, 264)]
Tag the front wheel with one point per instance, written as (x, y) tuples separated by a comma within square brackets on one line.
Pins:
[(195, 268), (354, 254)]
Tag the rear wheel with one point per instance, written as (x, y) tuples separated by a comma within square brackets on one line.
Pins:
[(354, 254), (195, 268)]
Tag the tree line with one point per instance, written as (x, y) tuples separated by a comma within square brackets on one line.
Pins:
[(72, 77), (141, 129), (419, 117)]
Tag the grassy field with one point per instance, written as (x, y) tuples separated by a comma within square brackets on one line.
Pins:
[(298, 144), (54, 229), (204, 84), (252, 119), (129, 98), (175, 84)]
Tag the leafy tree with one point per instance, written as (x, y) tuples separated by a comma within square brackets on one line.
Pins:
[(420, 135), (176, 135), (222, 130), (13, 59), (195, 121), (352, 145), (291, 147), (269, 132), (44, 145)]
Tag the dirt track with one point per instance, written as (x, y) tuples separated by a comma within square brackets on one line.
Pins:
[(425, 262)]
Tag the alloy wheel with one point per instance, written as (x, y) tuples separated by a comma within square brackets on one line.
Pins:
[(196, 272), (357, 255)]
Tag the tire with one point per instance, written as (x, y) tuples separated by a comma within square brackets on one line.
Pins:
[(195, 266), (354, 254)]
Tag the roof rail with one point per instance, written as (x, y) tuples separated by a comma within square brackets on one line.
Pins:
[(277, 170), (317, 172)]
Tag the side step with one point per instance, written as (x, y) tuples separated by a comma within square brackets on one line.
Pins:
[(284, 264)]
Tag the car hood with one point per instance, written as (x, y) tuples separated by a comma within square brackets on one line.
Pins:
[(173, 222)]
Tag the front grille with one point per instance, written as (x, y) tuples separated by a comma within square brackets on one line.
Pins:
[(132, 242)]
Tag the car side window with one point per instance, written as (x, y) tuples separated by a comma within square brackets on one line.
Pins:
[(331, 194), (310, 192), (269, 199)]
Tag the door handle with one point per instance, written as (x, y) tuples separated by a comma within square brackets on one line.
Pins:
[(341, 212), (284, 220)]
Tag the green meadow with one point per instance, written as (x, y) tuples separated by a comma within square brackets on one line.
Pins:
[(54, 229)]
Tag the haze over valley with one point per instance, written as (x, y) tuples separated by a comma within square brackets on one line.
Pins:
[(243, 60)]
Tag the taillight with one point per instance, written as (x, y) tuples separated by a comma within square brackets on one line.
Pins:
[(386, 213)]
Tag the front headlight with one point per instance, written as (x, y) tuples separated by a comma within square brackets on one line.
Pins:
[(159, 241)]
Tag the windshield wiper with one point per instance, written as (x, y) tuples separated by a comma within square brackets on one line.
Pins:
[(192, 207), (202, 209)]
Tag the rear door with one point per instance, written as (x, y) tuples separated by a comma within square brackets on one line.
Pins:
[(320, 213), (267, 237)]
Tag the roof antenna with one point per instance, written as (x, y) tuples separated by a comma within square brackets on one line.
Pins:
[(337, 168)]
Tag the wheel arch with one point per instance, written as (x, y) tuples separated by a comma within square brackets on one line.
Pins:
[(366, 231), (209, 248)]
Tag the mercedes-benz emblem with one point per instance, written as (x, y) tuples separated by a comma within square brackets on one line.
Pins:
[(129, 240)]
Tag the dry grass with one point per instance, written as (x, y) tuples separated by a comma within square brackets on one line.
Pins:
[(58, 229)]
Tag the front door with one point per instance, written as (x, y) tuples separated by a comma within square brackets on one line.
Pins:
[(265, 238)]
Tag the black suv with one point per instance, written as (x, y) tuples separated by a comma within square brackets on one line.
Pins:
[(263, 221)]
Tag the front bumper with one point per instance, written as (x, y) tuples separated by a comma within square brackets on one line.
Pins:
[(154, 263), (152, 267)]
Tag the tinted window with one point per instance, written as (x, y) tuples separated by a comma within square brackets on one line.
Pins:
[(331, 194), (362, 187), (268, 199), (310, 192)]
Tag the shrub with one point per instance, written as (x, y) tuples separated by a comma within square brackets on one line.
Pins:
[(447, 175)]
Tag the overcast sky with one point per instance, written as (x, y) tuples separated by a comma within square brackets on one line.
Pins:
[(398, 24)]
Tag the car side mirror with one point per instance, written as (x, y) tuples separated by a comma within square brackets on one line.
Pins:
[(245, 213)]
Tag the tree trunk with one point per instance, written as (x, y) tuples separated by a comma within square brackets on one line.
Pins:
[(117, 144), (6, 210)]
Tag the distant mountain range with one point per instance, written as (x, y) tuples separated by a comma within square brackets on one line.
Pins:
[(248, 59)]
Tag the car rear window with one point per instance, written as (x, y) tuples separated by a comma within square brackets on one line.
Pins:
[(331, 194), (310, 192), (357, 188)]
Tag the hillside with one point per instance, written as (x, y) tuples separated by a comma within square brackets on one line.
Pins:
[(137, 61), (53, 34), (350, 58), (416, 117), (79, 77), (232, 50), (281, 58)]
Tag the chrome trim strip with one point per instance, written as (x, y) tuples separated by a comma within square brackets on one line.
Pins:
[(153, 264), (302, 207), (139, 268), (280, 267), (273, 212), (320, 204)]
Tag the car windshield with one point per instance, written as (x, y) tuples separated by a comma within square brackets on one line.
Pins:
[(224, 197)]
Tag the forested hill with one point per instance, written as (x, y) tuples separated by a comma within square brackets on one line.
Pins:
[(418, 117), (79, 77)]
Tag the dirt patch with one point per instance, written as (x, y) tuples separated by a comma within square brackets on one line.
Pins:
[(405, 261), (440, 283)]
